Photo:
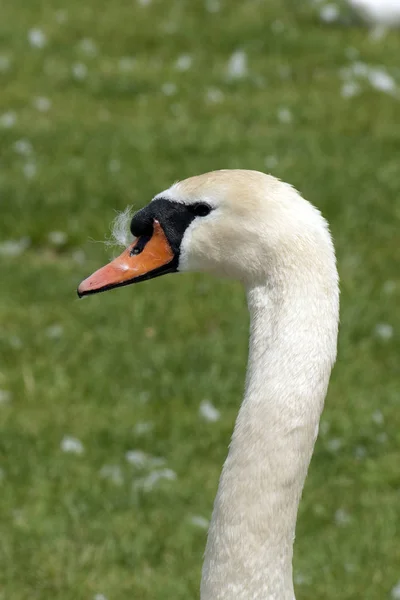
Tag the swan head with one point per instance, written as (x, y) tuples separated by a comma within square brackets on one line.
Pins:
[(244, 225)]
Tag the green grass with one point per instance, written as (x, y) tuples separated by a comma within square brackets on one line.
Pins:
[(94, 369)]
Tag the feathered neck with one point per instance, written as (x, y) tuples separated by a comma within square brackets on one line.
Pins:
[(293, 335)]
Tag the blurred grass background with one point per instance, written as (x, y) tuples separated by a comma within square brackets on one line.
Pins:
[(103, 106)]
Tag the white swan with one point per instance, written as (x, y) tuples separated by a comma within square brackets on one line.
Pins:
[(254, 228)]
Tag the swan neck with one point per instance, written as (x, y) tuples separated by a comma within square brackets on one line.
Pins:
[(292, 348)]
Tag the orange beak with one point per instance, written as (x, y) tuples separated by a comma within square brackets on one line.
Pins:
[(156, 258)]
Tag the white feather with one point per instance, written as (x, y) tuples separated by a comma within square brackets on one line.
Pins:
[(384, 13), (120, 232)]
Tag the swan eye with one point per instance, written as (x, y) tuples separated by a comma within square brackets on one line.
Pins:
[(200, 209)]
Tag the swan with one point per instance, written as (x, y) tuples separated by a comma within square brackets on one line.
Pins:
[(251, 227)]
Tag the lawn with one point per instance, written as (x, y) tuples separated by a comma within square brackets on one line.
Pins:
[(104, 105)]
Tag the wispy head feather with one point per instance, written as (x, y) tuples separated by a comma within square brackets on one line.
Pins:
[(120, 232)]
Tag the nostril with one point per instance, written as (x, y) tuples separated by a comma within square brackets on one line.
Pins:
[(140, 244)]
